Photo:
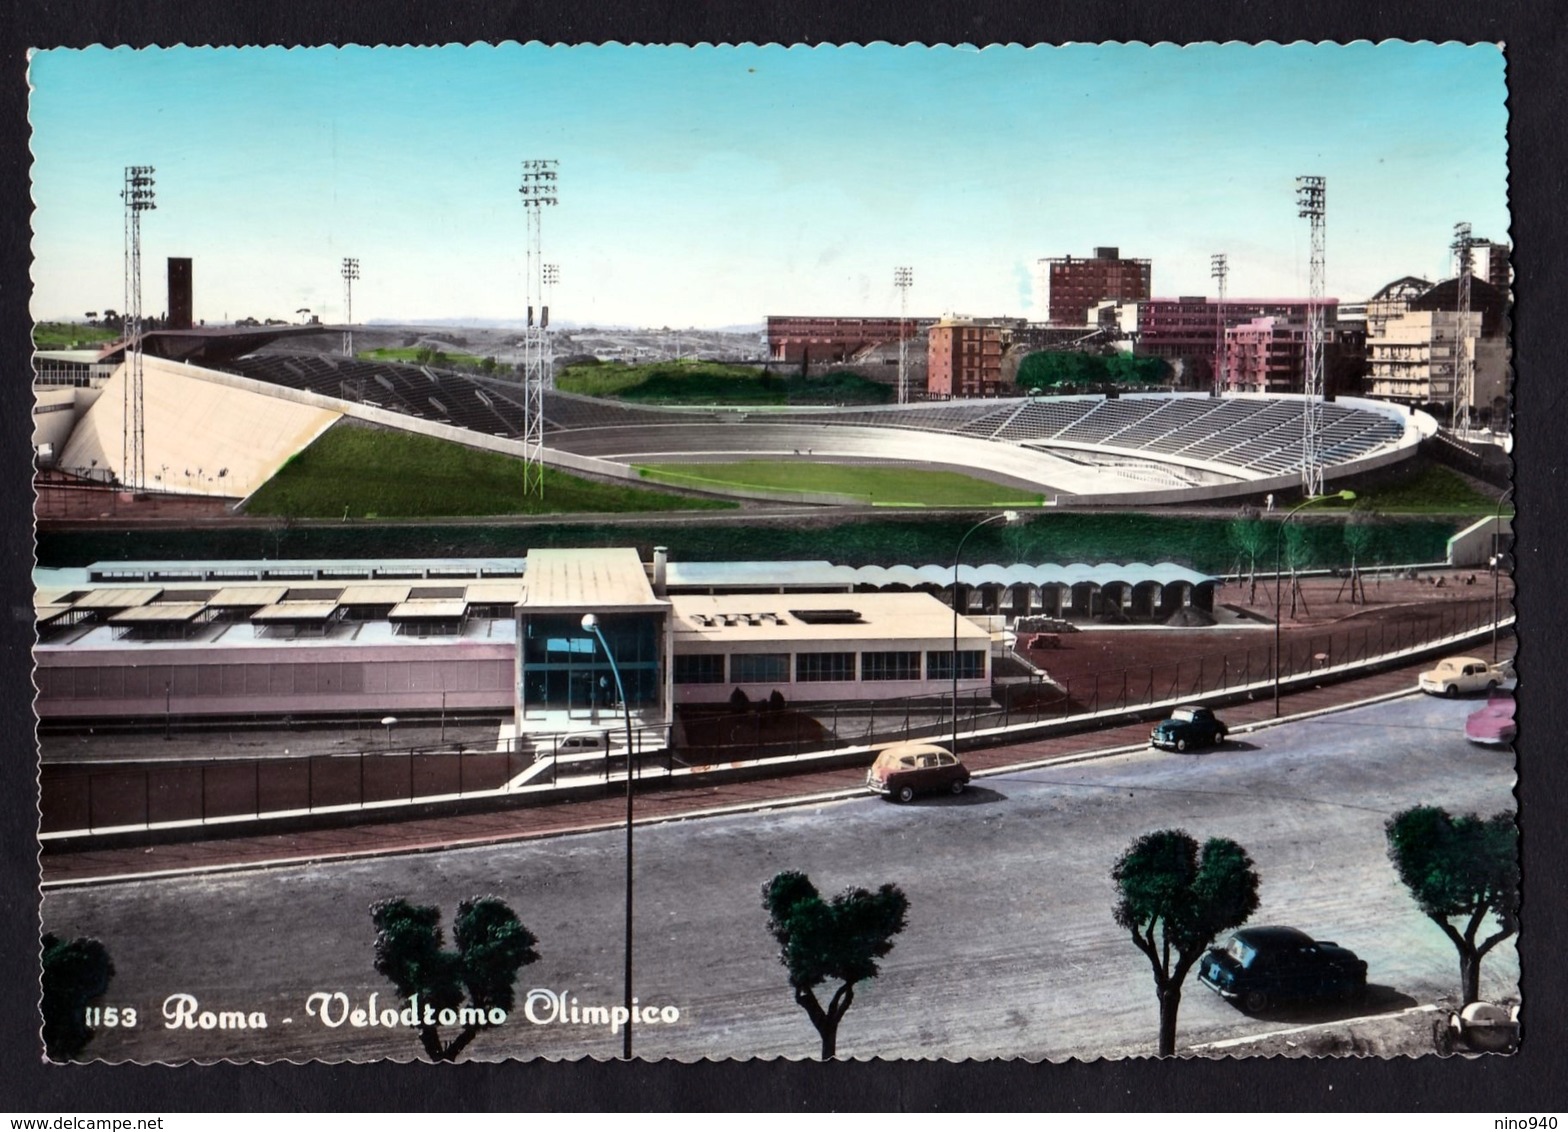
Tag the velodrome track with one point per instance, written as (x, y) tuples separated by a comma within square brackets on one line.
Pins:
[(1135, 450)]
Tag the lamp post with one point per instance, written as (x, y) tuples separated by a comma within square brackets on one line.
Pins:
[(1279, 542), (591, 623), (1004, 517), (1497, 568)]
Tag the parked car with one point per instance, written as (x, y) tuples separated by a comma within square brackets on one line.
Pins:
[(906, 769), (1259, 967), (1493, 725), (1465, 674), (1189, 726)]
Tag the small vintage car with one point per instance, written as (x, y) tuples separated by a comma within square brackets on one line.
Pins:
[(1191, 725), (905, 769), (1261, 967), (1459, 674), (1493, 725)]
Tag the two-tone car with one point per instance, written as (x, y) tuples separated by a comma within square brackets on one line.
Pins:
[(1258, 968), (904, 770), (1191, 725)]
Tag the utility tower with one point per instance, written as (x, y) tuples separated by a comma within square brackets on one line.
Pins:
[(903, 279), (350, 273), (1464, 367), (138, 197), (538, 193), (1310, 192), (1219, 268)]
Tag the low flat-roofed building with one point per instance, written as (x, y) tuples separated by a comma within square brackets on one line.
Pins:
[(821, 647)]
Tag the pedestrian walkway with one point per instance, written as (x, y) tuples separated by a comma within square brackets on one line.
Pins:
[(658, 800)]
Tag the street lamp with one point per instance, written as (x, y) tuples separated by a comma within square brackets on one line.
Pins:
[(591, 623), (1497, 568), (1279, 541), (1004, 517)]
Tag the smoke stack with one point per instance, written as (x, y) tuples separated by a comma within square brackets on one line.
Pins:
[(661, 563), (179, 293)]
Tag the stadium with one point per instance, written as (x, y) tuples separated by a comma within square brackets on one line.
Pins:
[(221, 416)]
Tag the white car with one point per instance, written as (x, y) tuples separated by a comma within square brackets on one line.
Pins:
[(1466, 674)]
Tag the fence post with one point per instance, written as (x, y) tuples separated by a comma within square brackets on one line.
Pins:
[(258, 787), (204, 794), (89, 802), (310, 784)]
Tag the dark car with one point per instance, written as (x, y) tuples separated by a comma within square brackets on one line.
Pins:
[(906, 769), (1259, 967), (1189, 726)]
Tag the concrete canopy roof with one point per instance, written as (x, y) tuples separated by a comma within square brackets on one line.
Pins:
[(427, 608), (160, 613), (374, 593), (117, 598), (593, 580)]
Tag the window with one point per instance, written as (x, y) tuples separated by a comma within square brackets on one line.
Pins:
[(817, 667), (890, 666), (699, 669), (971, 664), (759, 668)]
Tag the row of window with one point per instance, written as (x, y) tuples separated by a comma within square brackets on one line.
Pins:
[(825, 667)]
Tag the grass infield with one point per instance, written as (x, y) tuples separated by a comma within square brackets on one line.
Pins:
[(890, 486)]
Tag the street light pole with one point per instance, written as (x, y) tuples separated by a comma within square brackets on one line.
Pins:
[(1497, 568), (591, 623), (1007, 517), (1279, 542)]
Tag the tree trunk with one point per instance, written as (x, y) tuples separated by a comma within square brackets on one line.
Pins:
[(829, 1031), (1470, 976), (1169, 1001)]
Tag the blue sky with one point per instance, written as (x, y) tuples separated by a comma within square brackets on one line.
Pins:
[(712, 186)]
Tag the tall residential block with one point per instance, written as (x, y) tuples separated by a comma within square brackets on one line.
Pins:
[(179, 293), (1076, 286)]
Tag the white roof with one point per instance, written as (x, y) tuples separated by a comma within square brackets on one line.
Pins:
[(771, 619), (588, 580), (822, 573)]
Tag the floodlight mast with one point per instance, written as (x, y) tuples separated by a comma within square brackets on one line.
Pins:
[(903, 279), (1219, 268), (138, 197), (1310, 199), (538, 191), (350, 273), (1463, 371)]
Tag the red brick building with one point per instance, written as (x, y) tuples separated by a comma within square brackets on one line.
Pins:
[(829, 338), (1077, 285)]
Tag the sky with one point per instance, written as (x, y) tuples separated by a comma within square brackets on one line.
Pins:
[(713, 186)]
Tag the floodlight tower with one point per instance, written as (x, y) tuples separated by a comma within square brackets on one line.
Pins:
[(138, 197), (538, 193), (550, 277), (1463, 369), (1310, 193), (903, 279), (1219, 268), (350, 273)]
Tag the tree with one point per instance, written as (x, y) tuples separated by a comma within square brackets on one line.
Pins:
[(492, 946), (1250, 536), (1175, 899), (1464, 869), (74, 973), (1360, 536), (838, 940)]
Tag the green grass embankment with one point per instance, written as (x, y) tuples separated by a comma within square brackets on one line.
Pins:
[(712, 383), (365, 473)]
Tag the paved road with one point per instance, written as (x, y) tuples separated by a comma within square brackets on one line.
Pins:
[(1010, 949)]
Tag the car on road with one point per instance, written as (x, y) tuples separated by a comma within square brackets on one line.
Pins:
[(1493, 725), (905, 769), (1459, 674), (1191, 725), (1261, 967)]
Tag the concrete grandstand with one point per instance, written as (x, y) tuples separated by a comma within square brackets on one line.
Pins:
[(223, 427)]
